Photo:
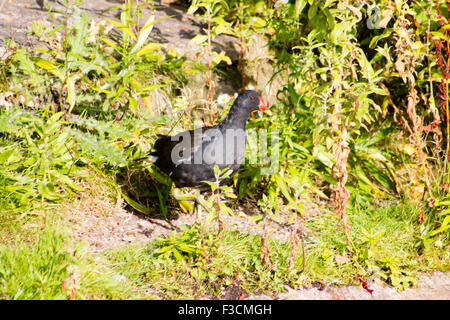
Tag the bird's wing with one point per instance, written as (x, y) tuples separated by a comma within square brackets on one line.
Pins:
[(171, 151), (191, 144)]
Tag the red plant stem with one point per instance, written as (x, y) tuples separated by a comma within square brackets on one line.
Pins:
[(364, 284), (445, 78)]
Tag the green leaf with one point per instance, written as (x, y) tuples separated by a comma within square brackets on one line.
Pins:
[(199, 39), (112, 44), (365, 64), (216, 170), (123, 28), (103, 90), (255, 218), (220, 57), (164, 249), (186, 248), (442, 203), (162, 202), (224, 208), (445, 225), (243, 188), (257, 22), (159, 177), (133, 104), (387, 32), (149, 48), (139, 207), (299, 6), (283, 187), (71, 97), (144, 33), (330, 18), (47, 190), (50, 67), (9, 156), (186, 206), (55, 29), (398, 5), (178, 256), (312, 11), (66, 180)]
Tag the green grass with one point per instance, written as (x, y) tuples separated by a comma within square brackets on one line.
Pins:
[(49, 265), (392, 258), (232, 257), (46, 264), (384, 240)]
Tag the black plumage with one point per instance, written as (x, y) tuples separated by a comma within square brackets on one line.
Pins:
[(190, 156)]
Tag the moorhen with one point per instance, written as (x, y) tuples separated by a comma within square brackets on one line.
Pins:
[(190, 156)]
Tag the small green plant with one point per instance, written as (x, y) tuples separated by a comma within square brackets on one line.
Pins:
[(124, 84), (39, 164), (220, 190), (62, 65), (180, 246)]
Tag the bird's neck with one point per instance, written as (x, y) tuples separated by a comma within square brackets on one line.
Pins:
[(236, 118)]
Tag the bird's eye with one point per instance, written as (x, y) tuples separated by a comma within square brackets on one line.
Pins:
[(252, 98)]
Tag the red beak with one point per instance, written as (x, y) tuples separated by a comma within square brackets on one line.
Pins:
[(262, 106)]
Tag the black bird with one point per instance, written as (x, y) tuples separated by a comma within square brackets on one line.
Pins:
[(190, 156)]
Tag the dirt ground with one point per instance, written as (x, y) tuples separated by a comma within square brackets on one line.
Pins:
[(104, 226)]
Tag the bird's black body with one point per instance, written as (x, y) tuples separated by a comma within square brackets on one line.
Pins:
[(190, 156)]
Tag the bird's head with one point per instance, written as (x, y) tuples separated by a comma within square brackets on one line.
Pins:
[(251, 100)]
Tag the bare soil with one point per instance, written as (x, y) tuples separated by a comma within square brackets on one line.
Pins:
[(103, 225)]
